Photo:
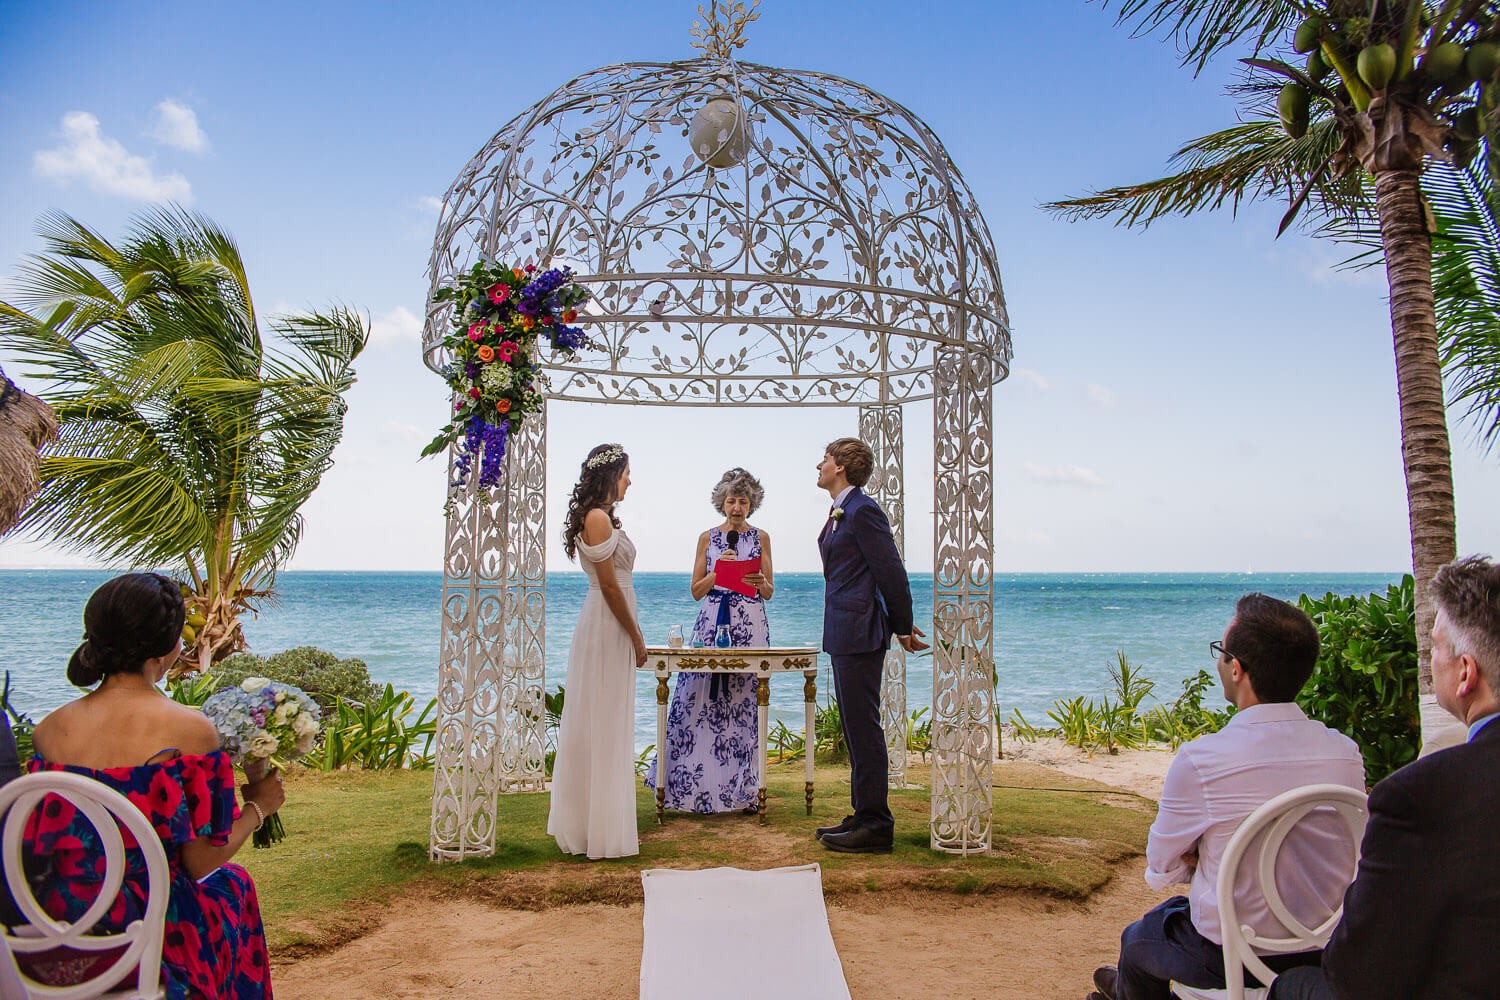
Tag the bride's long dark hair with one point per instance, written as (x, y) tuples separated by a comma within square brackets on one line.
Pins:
[(596, 488)]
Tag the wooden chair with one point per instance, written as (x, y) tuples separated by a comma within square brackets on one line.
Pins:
[(57, 960), (1276, 818)]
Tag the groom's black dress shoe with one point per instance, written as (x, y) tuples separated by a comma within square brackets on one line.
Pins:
[(845, 825), (1106, 982), (858, 841)]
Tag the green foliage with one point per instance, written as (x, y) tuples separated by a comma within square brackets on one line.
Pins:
[(189, 441), (1118, 722), (376, 735), (326, 678), (1365, 683), (785, 744), (21, 725), (194, 689)]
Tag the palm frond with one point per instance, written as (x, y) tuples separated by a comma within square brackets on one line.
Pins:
[(1255, 159), (1201, 29)]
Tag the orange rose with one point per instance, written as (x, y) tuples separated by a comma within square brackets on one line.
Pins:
[(527, 322), (503, 406), (520, 274), (570, 315), (486, 353)]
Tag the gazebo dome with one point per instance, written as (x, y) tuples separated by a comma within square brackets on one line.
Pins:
[(751, 235)]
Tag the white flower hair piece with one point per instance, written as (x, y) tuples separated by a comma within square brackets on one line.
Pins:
[(608, 456)]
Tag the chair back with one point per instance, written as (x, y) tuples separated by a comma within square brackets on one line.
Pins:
[(1276, 818), (98, 961)]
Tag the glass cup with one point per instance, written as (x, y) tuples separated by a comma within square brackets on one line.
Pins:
[(674, 637), (721, 637)]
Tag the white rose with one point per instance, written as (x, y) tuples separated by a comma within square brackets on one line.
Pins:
[(304, 726), (283, 713), (252, 685), (305, 743), (263, 744)]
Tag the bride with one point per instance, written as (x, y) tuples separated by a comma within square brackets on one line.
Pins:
[(593, 776)]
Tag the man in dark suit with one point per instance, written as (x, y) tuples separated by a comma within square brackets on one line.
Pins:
[(866, 599), (1423, 916)]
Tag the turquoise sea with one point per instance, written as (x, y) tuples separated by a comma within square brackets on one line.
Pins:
[(1056, 634)]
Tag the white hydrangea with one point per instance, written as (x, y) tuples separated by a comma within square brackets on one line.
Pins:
[(495, 378), (254, 685)]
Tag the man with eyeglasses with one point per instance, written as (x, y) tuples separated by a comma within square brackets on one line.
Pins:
[(1269, 746)]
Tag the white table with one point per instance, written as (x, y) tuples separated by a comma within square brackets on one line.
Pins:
[(758, 663)]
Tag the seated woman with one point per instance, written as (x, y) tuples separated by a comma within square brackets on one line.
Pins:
[(165, 758), (711, 731)]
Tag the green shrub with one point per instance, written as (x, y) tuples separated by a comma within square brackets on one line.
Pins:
[(21, 725), (1365, 683), (324, 676), (376, 735)]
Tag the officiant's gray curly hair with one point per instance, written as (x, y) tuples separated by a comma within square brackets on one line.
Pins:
[(738, 483)]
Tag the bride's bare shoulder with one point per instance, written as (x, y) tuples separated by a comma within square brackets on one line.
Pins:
[(597, 526)]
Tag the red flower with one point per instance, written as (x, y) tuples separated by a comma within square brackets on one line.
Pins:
[(476, 330), (570, 315), (499, 292), (474, 392)]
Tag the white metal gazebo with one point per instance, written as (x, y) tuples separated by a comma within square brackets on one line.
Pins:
[(752, 236)]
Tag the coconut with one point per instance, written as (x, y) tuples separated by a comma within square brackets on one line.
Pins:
[(1443, 62), (1483, 60), (1291, 107), (1309, 33), (1316, 67), (1376, 65)]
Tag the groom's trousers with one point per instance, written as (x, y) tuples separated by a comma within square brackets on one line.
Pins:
[(856, 685)]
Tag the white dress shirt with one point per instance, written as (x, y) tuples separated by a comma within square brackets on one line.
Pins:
[(1219, 779)]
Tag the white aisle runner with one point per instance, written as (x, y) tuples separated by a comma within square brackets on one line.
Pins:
[(728, 934)]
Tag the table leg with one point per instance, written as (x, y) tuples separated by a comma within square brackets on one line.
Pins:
[(810, 696), (661, 747), (762, 714)]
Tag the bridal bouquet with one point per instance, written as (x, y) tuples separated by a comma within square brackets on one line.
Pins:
[(264, 724), (501, 315)]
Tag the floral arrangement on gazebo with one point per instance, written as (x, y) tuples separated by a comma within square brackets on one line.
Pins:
[(500, 315)]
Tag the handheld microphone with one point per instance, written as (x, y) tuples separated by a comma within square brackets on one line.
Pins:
[(731, 538)]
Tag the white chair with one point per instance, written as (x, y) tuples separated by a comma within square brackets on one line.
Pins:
[(75, 963), (1276, 818)]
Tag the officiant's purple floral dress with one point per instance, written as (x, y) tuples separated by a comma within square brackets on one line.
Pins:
[(711, 732)]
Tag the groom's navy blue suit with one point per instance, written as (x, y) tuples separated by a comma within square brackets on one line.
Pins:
[(866, 599)]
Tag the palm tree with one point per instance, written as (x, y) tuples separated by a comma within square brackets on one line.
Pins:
[(187, 442), (1387, 85)]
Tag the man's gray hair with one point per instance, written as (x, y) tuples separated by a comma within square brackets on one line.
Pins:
[(737, 483), (1467, 592)]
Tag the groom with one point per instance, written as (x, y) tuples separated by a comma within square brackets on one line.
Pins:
[(866, 598)]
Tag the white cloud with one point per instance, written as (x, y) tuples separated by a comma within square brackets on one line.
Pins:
[(177, 126), (1099, 394), (1036, 378), (399, 326), (429, 204), (1067, 475), (107, 166)]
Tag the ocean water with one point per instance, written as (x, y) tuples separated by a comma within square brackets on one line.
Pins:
[(1056, 634)]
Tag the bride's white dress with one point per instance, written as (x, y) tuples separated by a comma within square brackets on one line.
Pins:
[(593, 776)]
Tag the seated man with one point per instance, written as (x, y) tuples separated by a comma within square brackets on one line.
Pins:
[(1423, 914), (1268, 652)]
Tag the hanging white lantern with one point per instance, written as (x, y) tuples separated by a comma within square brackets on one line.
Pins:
[(718, 134)]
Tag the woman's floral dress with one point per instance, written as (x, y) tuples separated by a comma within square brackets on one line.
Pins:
[(215, 945), (712, 741)]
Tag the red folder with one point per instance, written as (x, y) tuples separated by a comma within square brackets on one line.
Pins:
[(731, 574)]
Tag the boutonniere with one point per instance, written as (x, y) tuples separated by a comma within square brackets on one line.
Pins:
[(837, 515)]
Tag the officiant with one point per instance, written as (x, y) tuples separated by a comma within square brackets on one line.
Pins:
[(711, 749)]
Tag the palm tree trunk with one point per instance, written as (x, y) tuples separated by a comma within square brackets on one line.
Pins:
[(1419, 384)]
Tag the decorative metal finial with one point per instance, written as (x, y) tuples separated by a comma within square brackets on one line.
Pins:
[(725, 30)]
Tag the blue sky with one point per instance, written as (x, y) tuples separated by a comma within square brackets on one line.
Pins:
[(1200, 396)]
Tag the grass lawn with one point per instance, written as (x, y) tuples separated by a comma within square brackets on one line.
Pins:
[(358, 839)]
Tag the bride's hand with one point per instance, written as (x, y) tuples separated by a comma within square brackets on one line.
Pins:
[(640, 649)]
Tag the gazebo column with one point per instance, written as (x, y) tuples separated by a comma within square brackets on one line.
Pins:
[(880, 428), (523, 676), (466, 778), (963, 685)]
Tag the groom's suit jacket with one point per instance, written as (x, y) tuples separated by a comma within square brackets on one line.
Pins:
[(1422, 919), (866, 596)]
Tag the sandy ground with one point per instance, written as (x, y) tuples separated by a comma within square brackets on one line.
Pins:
[(908, 945)]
